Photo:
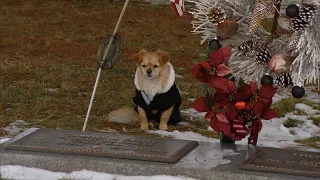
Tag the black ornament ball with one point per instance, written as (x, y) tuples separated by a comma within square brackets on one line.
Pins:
[(267, 79), (298, 92), (214, 45), (292, 11)]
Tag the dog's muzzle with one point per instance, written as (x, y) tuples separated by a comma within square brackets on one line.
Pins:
[(149, 73)]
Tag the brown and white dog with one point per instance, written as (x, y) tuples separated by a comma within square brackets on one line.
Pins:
[(157, 97)]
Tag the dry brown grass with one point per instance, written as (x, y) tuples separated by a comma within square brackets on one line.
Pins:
[(48, 51)]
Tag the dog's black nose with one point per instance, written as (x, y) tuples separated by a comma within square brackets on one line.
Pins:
[(149, 71)]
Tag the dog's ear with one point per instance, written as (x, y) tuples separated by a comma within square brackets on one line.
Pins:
[(137, 57), (164, 56)]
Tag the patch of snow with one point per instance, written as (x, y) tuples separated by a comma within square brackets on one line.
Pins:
[(188, 135), (4, 140), (279, 96), (15, 127), (183, 124), (179, 76), (305, 108), (12, 130), (19, 123), (312, 96), (210, 128), (206, 157), (193, 114), (275, 134), (20, 172)]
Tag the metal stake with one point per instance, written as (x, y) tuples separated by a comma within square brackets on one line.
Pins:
[(100, 68)]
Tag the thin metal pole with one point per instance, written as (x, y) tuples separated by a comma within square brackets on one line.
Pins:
[(116, 28), (100, 68), (92, 98)]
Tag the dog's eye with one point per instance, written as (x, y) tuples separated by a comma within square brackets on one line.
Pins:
[(155, 66), (144, 65)]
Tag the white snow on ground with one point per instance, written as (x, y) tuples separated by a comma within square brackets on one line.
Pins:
[(25, 173), (307, 109), (15, 127), (193, 114), (311, 96), (279, 96), (274, 134)]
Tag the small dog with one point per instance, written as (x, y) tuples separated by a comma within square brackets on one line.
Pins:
[(157, 97)]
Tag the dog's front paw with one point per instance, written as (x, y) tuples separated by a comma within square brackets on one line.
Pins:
[(144, 126), (163, 126)]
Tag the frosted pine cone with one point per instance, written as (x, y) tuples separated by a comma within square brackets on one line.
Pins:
[(293, 42), (216, 15), (283, 80), (298, 24), (251, 47), (263, 57), (307, 13)]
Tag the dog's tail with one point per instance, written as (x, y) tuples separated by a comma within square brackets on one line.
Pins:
[(125, 115)]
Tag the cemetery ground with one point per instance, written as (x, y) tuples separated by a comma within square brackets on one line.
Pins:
[(48, 69)]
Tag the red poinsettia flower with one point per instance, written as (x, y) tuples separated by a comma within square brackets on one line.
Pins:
[(224, 85), (227, 95), (207, 71), (201, 104), (243, 94), (261, 107), (204, 104), (245, 91)]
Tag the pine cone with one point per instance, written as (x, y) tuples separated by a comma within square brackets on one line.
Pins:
[(307, 13), (301, 22), (283, 80), (251, 47), (259, 13), (263, 57), (216, 15), (298, 24), (293, 42)]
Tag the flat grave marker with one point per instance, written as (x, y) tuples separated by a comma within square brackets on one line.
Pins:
[(107, 145), (303, 163)]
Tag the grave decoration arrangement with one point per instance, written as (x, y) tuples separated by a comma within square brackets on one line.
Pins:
[(247, 64), (290, 58), (234, 110)]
